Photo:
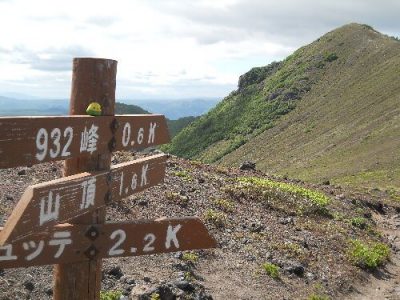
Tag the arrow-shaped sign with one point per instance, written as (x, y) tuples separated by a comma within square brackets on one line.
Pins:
[(32, 140), (47, 204), (68, 243)]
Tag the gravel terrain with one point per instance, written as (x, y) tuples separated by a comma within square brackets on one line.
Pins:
[(309, 249)]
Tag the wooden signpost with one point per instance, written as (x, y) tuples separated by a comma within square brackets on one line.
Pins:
[(47, 204), (68, 243), (32, 140), (62, 221)]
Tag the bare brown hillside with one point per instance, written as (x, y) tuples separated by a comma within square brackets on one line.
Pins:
[(278, 239)]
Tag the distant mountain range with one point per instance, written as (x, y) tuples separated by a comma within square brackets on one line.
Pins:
[(17, 107), (330, 111), (172, 109), (32, 107), (174, 126), (176, 108)]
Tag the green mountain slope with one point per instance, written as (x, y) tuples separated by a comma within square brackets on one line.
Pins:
[(331, 110), (125, 109)]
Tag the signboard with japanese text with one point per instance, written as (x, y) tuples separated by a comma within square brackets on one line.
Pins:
[(68, 243), (32, 140), (47, 204)]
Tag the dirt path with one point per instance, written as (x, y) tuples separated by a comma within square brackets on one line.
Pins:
[(384, 284)]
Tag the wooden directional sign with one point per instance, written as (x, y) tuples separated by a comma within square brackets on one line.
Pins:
[(47, 204), (32, 140), (68, 243)]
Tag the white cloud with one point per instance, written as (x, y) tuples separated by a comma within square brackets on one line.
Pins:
[(166, 48)]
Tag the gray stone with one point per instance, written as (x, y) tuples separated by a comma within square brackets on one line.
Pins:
[(29, 285), (248, 165), (22, 172), (115, 272), (184, 285)]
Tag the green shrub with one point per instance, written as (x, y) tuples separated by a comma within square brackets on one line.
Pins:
[(318, 297), (359, 222), (331, 57), (271, 270), (215, 217), (225, 205), (155, 296), (110, 295), (184, 175), (284, 196), (368, 256), (190, 256), (177, 198)]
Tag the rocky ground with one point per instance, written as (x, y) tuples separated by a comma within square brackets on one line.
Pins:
[(256, 227)]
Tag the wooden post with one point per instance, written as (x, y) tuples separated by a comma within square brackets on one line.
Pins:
[(93, 80)]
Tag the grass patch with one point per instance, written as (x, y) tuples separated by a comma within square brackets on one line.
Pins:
[(184, 175), (110, 295), (272, 270), (190, 256), (287, 197), (359, 222), (368, 256), (217, 218), (225, 205), (155, 296), (177, 198), (318, 297)]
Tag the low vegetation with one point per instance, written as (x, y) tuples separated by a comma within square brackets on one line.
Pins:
[(155, 296), (217, 218), (177, 198), (110, 295), (368, 255), (283, 196), (271, 270), (359, 222), (190, 256), (318, 297), (225, 205), (184, 175)]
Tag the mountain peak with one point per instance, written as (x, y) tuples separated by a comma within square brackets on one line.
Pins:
[(329, 104)]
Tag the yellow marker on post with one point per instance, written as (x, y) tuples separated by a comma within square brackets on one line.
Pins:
[(94, 109)]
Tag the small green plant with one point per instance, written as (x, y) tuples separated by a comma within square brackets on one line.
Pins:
[(318, 297), (110, 295), (318, 293), (190, 256), (196, 163), (329, 57), (222, 170), (272, 270), (184, 175), (177, 198), (188, 276), (368, 256), (359, 222), (338, 216), (215, 217), (286, 196), (309, 128), (155, 296), (225, 205), (293, 249)]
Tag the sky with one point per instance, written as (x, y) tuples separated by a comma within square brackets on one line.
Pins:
[(166, 48)]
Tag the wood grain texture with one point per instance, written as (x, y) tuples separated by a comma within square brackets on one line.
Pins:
[(93, 80), (86, 242), (80, 194), (22, 137)]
